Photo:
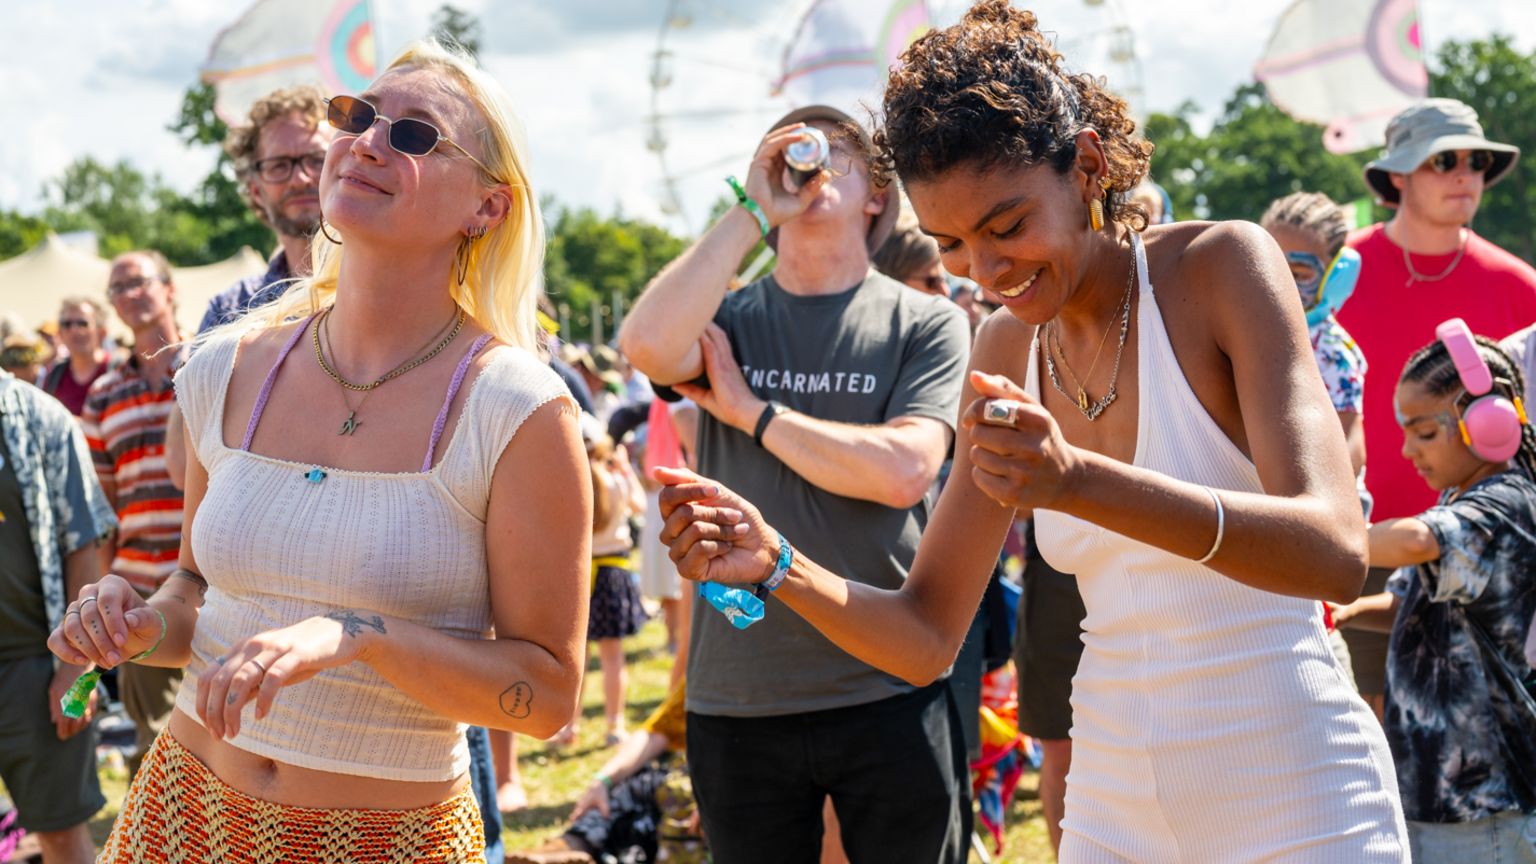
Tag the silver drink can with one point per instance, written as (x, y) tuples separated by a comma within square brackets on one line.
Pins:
[(807, 156)]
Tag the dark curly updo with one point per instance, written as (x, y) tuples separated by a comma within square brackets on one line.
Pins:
[(990, 91)]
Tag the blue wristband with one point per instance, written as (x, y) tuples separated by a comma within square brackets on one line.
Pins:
[(741, 608), (780, 568)]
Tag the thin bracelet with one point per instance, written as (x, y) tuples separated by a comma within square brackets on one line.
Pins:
[(750, 206), (163, 627), (1221, 526)]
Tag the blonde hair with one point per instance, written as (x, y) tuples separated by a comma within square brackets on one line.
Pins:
[(500, 290)]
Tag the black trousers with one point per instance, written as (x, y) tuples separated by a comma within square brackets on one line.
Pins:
[(895, 770)]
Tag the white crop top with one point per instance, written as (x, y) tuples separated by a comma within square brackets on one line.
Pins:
[(278, 547)]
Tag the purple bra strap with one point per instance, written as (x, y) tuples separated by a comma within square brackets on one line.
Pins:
[(266, 386), (453, 390)]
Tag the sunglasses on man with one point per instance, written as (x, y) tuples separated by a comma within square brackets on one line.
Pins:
[(1446, 161), (407, 135)]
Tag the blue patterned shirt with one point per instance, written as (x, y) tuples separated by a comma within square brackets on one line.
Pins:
[(1453, 732), (65, 506)]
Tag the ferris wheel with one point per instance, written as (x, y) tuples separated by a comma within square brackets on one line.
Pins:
[(721, 73)]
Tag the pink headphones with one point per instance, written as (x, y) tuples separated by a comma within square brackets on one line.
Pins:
[(1490, 423)]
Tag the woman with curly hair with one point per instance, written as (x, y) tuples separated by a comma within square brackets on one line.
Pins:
[(1182, 460)]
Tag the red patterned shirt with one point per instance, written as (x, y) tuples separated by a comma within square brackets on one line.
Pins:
[(125, 421)]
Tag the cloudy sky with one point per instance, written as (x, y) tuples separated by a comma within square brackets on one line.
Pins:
[(104, 78)]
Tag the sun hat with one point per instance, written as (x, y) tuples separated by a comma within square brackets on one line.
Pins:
[(1429, 127), (880, 228)]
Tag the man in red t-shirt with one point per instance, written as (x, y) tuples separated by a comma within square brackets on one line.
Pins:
[(83, 330), (1423, 267)]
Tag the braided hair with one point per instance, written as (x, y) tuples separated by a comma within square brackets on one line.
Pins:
[(1431, 367), (1314, 213), (991, 90)]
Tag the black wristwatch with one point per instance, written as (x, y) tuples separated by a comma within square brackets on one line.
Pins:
[(770, 411)]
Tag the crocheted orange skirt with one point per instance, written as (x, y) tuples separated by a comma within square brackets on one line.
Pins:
[(177, 810)]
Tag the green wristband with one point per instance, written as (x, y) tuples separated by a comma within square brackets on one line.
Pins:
[(163, 627), (750, 206)]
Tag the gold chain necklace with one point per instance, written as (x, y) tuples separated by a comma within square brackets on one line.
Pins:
[(1416, 276), (349, 425), (1094, 409)]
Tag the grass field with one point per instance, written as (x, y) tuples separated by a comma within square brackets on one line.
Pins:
[(554, 778)]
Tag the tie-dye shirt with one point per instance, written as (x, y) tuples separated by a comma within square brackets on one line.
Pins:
[(1453, 730)]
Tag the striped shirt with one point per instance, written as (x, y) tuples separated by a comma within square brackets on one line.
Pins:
[(125, 421)]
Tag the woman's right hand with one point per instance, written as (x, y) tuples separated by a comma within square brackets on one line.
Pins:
[(765, 183), (713, 534), (108, 622)]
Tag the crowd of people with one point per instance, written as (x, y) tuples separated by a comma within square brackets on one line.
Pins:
[(340, 547)]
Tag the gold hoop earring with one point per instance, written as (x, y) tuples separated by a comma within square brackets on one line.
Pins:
[(461, 257), (1096, 214), (327, 233)]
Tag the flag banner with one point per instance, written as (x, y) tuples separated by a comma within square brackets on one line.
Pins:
[(843, 50), (1349, 65), (281, 43)]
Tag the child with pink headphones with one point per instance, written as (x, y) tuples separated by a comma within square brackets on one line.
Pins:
[(1461, 693)]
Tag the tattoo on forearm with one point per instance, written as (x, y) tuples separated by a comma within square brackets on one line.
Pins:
[(196, 579), (517, 700), (352, 623)]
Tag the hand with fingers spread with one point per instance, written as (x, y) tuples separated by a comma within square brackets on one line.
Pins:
[(107, 623), (713, 534), (263, 664), (1018, 455), (765, 183), (728, 398)]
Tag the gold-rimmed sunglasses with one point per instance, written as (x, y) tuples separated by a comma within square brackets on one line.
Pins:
[(407, 135)]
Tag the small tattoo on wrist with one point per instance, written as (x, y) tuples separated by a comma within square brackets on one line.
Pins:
[(517, 700), (352, 624)]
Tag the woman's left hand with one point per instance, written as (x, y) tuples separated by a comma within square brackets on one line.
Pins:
[(1019, 460), (261, 665)]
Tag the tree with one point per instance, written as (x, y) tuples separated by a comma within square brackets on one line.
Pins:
[(589, 260), (453, 25), (217, 200), (1254, 154), (19, 232), (1500, 84)]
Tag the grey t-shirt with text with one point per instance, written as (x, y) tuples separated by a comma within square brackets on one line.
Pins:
[(877, 351)]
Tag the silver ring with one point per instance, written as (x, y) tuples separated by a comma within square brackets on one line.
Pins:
[(259, 666), (999, 412), (86, 600), (71, 612)]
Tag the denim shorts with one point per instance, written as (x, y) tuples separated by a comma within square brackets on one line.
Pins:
[(1504, 838)]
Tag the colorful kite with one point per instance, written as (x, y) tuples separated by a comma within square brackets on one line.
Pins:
[(1349, 65), (280, 43)]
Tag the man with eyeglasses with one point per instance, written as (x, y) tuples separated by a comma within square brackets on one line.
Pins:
[(278, 155), (83, 333), (125, 419), (1418, 269)]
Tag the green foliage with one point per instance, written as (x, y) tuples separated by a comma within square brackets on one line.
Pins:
[(19, 232), (1254, 154), (590, 258), (1500, 84), (451, 24)]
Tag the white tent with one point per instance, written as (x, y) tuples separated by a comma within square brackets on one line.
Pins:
[(195, 286), (33, 284)]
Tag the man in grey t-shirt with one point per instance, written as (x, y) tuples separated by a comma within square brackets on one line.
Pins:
[(830, 397)]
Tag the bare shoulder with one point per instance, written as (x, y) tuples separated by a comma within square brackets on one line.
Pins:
[(1002, 345), (1232, 265)]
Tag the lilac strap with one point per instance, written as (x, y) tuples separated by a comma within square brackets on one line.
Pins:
[(266, 386), (453, 390)]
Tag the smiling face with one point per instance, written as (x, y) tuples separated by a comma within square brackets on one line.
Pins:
[(1020, 233), (370, 190), (291, 205)]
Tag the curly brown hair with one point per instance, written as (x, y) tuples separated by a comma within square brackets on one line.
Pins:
[(306, 100), (991, 90)]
